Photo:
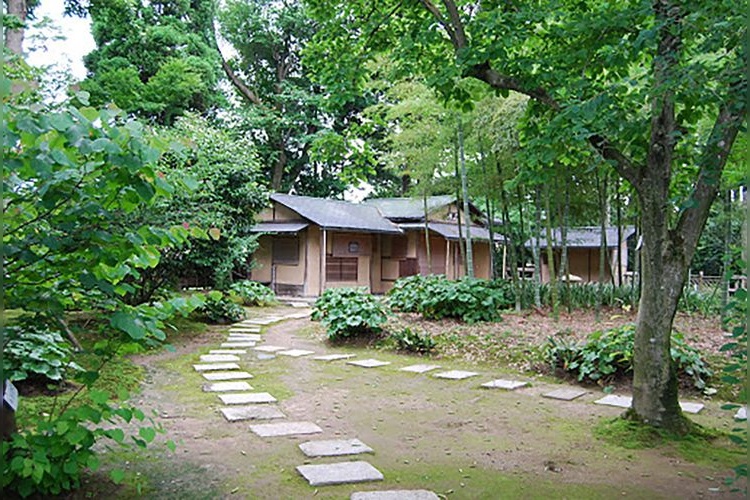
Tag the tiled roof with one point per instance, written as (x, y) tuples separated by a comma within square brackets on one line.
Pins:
[(450, 231), (584, 237), (279, 227), (334, 214), (402, 209)]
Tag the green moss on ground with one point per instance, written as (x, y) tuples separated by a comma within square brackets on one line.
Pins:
[(701, 446)]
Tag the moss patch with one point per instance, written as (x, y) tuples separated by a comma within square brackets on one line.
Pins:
[(701, 446)]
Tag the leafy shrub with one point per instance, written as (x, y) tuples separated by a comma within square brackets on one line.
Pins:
[(436, 297), (218, 308), (48, 456), (608, 354), (33, 352), (580, 295), (413, 341), (253, 293), (347, 312)]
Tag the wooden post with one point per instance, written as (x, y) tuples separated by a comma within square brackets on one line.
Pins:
[(323, 262)]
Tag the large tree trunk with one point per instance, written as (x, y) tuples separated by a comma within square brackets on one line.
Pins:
[(14, 37), (465, 195), (663, 274)]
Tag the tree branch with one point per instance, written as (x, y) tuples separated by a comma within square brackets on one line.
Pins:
[(712, 162), (243, 89), (432, 9)]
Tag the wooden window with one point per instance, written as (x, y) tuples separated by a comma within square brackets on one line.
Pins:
[(398, 247), (341, 269), (286, 250), (408, 267)]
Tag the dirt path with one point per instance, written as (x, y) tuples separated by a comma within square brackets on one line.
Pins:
[(452, 437)]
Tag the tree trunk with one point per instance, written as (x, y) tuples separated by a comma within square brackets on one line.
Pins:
[(537, 248), (601, 187), (14, 37), (461, 247), (551, 258), (513, 257), (465, 194), (654, 375)]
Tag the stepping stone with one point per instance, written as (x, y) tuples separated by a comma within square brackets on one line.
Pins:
[(691, 407), (231, 345), (420, 368), (455, 374), (245, 398), (395, 495), (510, 385), (213, 376), (218, 358), (614, 400), (368, 363), (227, 386), (333, 357), (216, 366), (265, 357), (301, 315), (262, 412), (567, 394), (295, 353), (254, 337), (240, 328), (340, 473), (270, 348), (299, 304), (334, 448), (741, 413), (285, 429), (227, 351)]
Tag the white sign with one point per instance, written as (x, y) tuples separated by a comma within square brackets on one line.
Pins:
[(10, 395)]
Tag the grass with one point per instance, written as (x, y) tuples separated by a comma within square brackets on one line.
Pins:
[(702, 446)]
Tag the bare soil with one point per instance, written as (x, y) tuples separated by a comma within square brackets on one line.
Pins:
[(452, 437)]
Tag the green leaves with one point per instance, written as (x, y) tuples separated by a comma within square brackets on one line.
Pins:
[(347, 312)]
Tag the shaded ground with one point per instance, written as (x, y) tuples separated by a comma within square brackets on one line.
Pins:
[(449, 436)]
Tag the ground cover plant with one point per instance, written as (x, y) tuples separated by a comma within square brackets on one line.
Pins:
[(218, 307), (253, 293), (436, 297), (348, 312), (608, 354)]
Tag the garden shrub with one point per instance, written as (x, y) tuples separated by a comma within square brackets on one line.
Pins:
[(48, 456), (346, 312), (33, 352), (608, 354), (218, 308), (253, 293), (436, 297), (413, 341)]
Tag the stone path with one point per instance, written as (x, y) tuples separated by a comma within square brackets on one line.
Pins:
[(220, 366)]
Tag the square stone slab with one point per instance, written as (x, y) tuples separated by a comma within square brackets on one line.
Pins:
[(334, 448), (419, 368), (455, 374), (227, 386), (226, 376), (264, 356), (244, 338), (244, 329), (741, 413), (333, 357), (510, 385), (216, 366), (227, 351), (615, 400), (395, 495), (262, 412), (691, 407), (340, 473), (270, 348), (285, 429), (567, 394), (218, 358), (295, 353), (368, 363), (233, 345), (245, 398)]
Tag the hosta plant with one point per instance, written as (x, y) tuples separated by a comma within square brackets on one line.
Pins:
[(346, 312)]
